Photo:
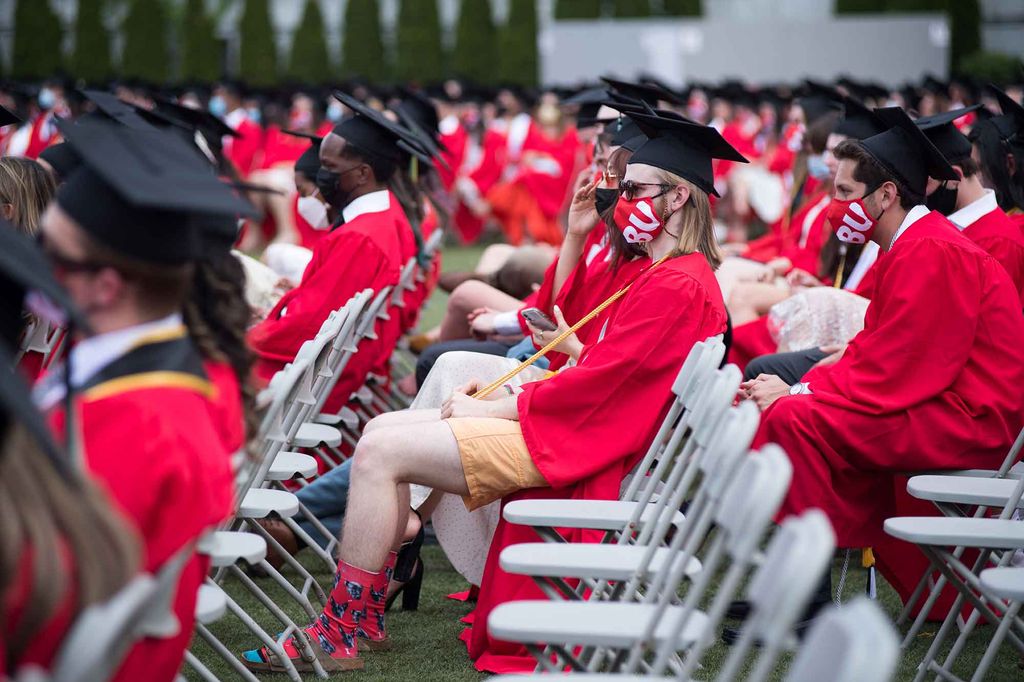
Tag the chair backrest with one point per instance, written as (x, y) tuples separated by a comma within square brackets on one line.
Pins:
[(798, 555), (850, 644), (744, 519), (102, 634), (376, 310), (346, 343), (289, 398)]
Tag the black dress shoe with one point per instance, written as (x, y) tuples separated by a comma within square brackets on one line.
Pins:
[(739, 609), (731, 635)]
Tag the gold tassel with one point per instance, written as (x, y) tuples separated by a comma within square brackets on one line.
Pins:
[(838, 284)]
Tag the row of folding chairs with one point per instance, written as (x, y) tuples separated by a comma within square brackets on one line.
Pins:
[(614, 607), (978, 510), (296, 438)]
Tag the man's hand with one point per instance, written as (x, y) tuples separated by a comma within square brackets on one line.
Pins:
[(779, 266), (764, 390), (835, 354), (498, 405), (802, 278), (481, 322)]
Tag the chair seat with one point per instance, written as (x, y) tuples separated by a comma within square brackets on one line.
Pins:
[(287, 465), (211, 604), (259, 503), (597, 514), (584, 560), (311, 435), (346, 417), (1007, 582), (987, 492), (1016, 471), (611, 624), (228, 547), (946, 532)]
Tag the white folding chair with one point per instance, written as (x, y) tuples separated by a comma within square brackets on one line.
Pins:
[(102, 635), (632, 512), (953, 493), (940, 539), (631, 628)]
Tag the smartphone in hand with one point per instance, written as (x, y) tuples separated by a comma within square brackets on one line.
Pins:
[(539, 320)]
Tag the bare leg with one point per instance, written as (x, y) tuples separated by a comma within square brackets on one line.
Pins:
[(493, 257), (401, 418), (426, 453), (750, 300), (466, 298)]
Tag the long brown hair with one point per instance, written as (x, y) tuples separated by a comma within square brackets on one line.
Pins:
[(48, 518), (28, 188), (697, 234), (217, 315)]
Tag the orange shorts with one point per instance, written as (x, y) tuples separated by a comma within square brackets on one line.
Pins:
[(494, 459)]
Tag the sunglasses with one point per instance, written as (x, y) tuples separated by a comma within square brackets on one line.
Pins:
[(630, 189), (65, 264)]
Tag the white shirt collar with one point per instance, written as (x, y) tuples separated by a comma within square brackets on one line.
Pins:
[(374, 202), (913, 215), (91, 355), (970, 213), (235, 118)]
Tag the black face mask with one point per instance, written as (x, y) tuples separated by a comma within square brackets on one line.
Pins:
[(327, 183), (942, 200), (604, 199)]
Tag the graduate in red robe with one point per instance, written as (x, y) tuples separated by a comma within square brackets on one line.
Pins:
[(367, 249), (121, 238), (246, 145), (916, 389)]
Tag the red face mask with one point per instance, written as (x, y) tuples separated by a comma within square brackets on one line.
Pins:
[(638, 220), (851, 220)]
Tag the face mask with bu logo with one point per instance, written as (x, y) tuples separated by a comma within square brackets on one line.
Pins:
[(851, 221), (638, 221)]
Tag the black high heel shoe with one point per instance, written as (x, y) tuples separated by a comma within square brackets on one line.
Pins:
[(408, 571)]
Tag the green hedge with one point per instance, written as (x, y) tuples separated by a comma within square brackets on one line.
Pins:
[(631, 8), (683, 8), (578, 9), (476, 42), (518, 44), (309, 60), (258, 49), (38, 36), (362, 49), (91, 59), (200, 51), (418, 53), (146, 54)]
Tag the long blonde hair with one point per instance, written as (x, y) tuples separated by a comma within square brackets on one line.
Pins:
[(47, 518), (697, 233), (28, 187)]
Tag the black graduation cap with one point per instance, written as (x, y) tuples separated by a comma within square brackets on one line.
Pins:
[(309, 162), (651, 94), (858, 121), (426, 141), (418, 107), (7, 117), (1011, 122), (939, 128), (683, 147), (139, 192), (212, 127), (110, 107), (906, 151), (62, 158), (589, 101), (819, 100), (371, 131), (624, 128)]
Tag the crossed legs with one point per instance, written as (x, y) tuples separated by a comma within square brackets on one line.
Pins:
[(396, 449)]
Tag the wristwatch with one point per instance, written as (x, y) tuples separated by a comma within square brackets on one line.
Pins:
[(802, 388)]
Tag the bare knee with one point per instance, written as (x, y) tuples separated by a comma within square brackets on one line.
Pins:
[(378, 422), (373, 455), (469, 296)]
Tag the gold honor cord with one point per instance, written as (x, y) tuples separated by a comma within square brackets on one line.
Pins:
[(501, 381), (838, 284)]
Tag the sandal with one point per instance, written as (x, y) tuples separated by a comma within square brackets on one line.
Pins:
[(264, 660)]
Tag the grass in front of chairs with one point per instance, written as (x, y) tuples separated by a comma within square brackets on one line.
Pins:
[(427, 649), (426, 645)]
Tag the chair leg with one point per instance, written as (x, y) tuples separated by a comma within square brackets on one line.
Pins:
[(252, 626), (997, 640)]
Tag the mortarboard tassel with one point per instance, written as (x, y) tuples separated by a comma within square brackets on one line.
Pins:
[(838, 284), (867, 560)]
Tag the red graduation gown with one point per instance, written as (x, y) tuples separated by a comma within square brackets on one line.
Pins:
[(932, 382), (997, 234), (146, 429), (226, 410), (588, 426), (242, 151), (363, 253)]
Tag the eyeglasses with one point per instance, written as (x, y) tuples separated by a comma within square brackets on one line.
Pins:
[(630, 189)]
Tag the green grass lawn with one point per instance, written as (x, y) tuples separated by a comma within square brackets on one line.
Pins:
[(426, 645)]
